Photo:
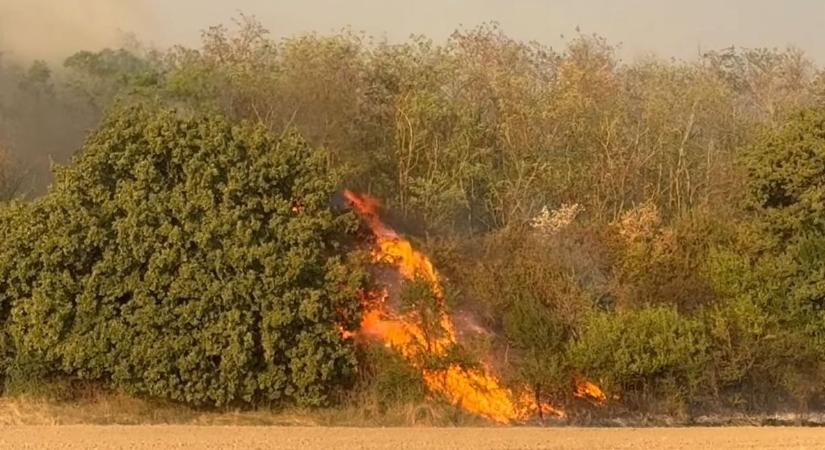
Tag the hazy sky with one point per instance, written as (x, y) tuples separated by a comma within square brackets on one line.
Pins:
[(52, 28)]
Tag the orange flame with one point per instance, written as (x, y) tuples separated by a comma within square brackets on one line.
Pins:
[(588, 390), (473, 390)]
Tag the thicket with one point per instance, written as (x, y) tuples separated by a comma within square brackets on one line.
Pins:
[(187, 259), (656, 225)]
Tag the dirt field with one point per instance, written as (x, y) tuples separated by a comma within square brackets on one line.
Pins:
[(217, 437)]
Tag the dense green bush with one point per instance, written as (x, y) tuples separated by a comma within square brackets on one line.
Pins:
[(188, 259), (768, 324), (764, 338), (643, 354), (786, 182), (786, 196)]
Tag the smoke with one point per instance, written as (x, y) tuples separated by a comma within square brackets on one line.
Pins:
[(39, 124), (54, 29)]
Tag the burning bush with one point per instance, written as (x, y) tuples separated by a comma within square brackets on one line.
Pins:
[(170, 260)]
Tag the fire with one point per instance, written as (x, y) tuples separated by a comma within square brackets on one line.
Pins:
[(474, 390), (588, 390)]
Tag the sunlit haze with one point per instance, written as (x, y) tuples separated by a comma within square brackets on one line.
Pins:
[(54, 28)]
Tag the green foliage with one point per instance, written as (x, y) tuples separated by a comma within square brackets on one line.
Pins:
[(643, 352), (197, 260), (787, 177), (389, 379), (786, 232), (660, 264), (422, 304), (764, 341), (187, 259), (538, 338), (99, 78)]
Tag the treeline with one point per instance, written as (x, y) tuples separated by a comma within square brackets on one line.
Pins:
[(656, 225)]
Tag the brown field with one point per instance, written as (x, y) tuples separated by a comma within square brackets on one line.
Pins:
[(241, 437)]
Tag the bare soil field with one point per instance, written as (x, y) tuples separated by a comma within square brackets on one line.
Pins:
[(239, 437)]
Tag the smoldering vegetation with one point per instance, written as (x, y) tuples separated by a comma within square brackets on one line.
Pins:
[(654, 225)]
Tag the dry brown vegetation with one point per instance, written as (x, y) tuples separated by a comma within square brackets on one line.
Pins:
[(93, 407)]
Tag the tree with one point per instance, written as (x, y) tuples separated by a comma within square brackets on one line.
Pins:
[(782, 276), (98, 78), (786, 178), (187, 259), (786, 199)]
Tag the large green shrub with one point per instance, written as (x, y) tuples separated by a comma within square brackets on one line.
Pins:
[(643, 353), (765, 343), (768, 324), (786, 199), (187, 259)]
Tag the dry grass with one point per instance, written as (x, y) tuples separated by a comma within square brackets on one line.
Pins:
[(111, 409), (97, 407), (100, 408)]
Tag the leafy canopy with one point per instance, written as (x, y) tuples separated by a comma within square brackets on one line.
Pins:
[(184, 258)]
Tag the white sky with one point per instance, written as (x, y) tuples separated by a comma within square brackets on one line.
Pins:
[(679, 28)]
